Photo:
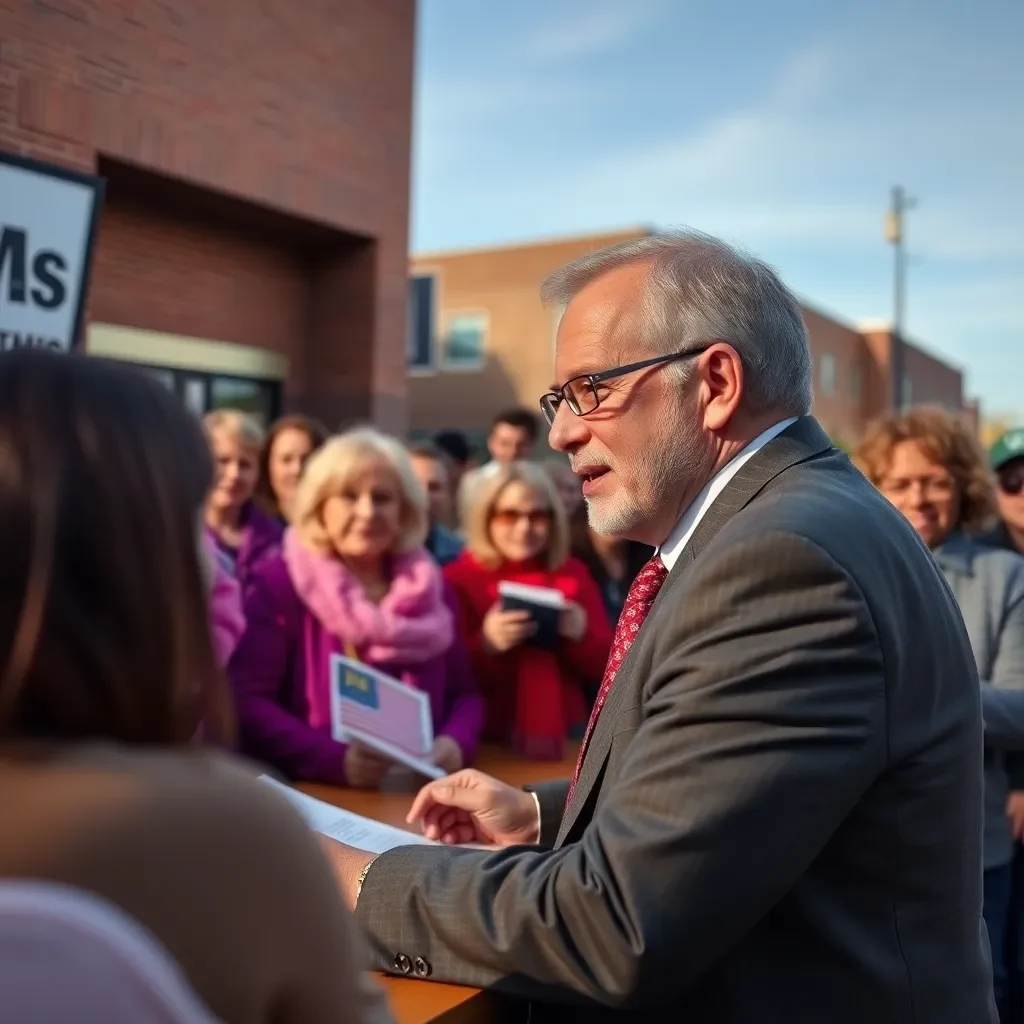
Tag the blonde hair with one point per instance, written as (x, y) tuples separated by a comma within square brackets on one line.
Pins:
[(238, 425), (481, 508), (948, 443), (335, 463)]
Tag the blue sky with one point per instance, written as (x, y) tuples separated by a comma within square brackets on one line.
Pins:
[(780, 126)]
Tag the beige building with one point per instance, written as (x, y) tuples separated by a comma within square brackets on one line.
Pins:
[(480, 340)]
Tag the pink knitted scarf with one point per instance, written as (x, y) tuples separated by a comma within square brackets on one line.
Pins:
[(411, 624)]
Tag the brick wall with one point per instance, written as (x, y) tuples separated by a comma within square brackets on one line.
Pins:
[(839, 410), (183, 276), (932, 380), (303, 108)]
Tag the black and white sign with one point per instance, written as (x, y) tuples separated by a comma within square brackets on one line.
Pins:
[(48, 221)]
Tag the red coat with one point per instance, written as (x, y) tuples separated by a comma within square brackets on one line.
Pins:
[(533, 697)]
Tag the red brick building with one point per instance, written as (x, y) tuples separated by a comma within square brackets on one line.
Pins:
[(480, 341), (252, 247)]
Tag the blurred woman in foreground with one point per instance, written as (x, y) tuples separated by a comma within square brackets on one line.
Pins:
[(931, 468), (108, 668)]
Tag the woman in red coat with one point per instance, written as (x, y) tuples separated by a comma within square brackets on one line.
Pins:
[(517, 532)]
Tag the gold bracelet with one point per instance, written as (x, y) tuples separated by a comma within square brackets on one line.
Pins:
[(362, 878)]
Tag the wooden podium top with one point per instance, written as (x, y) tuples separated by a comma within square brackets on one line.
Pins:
[(420, 1002)]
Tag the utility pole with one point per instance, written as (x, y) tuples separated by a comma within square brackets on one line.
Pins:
[(901, 202)]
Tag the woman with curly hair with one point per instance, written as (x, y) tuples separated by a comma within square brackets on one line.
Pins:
[(933, 470)]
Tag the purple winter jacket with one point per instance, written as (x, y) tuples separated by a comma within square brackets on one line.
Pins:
[(261, 540), (284, 644)]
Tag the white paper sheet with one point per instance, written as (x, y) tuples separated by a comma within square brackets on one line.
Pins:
[(396, 754), (346, 827)]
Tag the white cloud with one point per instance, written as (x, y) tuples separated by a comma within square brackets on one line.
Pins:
[(591, 29)]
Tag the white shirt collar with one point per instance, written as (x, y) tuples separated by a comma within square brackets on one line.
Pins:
[(697, 509)]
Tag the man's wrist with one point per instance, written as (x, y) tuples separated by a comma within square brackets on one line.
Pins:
[(361, 879)]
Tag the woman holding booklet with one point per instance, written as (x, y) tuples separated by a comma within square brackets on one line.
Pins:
[(532, 615), (107, 669), (353, 579)]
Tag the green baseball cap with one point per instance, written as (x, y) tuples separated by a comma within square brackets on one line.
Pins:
[(1009, 447)]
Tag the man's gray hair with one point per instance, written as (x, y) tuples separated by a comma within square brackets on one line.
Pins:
[(700, 289)]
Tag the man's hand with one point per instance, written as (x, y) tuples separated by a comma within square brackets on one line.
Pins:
[(470, 807), (365, 768), (447, 754), (347, 863), (1015, 812)]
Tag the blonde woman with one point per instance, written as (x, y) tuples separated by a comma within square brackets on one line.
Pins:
[(244, 535), (517, 532), (353, 577)]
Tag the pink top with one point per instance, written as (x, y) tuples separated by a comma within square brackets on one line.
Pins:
[(227, 622)]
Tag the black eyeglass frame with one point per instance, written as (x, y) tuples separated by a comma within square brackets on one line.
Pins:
[(551, 400)]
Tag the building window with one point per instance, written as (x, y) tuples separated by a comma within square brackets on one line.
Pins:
[(827, 375), (205, 392), (907, 397), (254, 397), (419, 350), (465, 341)]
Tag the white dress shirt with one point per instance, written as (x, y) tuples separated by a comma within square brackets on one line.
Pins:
[(697, 509)]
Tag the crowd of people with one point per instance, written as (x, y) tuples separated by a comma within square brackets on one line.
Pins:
[(347, 545), (799, 737)]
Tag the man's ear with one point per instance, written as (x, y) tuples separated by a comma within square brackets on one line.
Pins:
[(721, 379)]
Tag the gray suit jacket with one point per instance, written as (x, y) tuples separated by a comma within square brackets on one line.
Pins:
[(779, 814), (989, 588)]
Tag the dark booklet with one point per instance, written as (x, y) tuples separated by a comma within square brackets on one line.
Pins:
[(545, 605)]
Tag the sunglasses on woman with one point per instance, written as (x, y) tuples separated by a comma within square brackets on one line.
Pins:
[(511, 516)]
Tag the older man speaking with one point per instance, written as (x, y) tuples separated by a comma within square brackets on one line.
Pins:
[(777, 812)]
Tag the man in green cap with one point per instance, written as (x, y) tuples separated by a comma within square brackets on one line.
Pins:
[(1007, 460), (1006, 457)]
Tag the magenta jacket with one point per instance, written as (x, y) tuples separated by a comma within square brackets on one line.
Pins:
[(261, 541), (284, 644)]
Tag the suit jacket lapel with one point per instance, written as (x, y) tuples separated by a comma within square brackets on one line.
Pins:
[(801, 441)]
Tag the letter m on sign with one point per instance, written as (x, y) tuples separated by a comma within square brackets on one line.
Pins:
[(13, 262)]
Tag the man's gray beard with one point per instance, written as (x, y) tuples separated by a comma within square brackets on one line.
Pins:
[(679, 467), (667, 475)]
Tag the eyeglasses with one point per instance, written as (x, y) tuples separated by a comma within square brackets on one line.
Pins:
[(511, 516), (581, 393), (931, 487), (1012, 481)]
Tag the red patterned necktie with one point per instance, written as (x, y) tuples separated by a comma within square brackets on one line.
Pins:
[(639, 601)]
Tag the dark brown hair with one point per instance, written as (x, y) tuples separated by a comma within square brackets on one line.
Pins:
[(948, 443), (313, 429), (104, 601), (521, 419)]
